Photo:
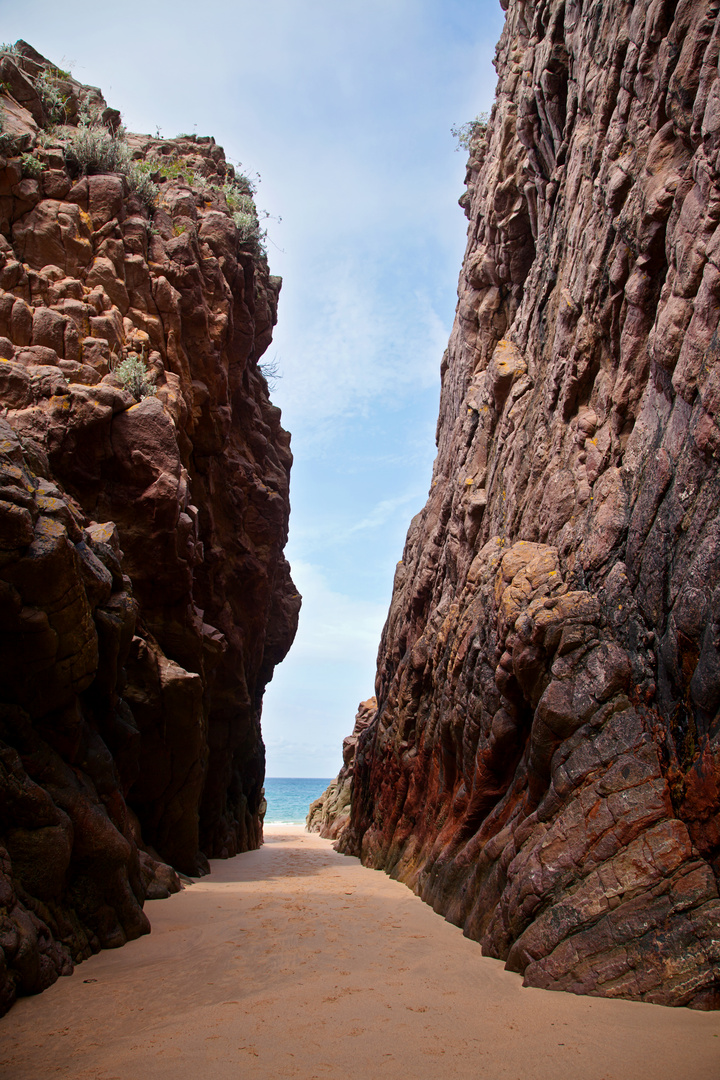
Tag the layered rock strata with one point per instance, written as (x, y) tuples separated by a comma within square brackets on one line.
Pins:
[(544, 767), (144, 597)]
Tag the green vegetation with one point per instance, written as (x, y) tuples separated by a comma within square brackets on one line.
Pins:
[(142, 184), (48, 138), (473, 129), (244, 214), (90, 114), (133, 375), (7, 142), (92, 149), (175, 169), (249, 231), (31, 166), (76, 124), (243, 181), (55, 102), (170, 168), (237, 192), (57, 72)]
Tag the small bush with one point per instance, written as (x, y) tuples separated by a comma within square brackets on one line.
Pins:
[(240, 180), (140, 182), (238, 197), (91, 149), (58, 72), (89, 114), (249, 231), (244, 214), (204, 185), (54, 101), (49, 137), (245, 183), (7, 141), (133, 375), (473, 129), (31, 166)]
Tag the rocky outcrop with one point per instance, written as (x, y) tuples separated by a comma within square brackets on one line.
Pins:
[(544, 768), (330, 814), (144, 597)]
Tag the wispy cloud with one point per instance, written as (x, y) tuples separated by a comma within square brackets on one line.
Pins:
[(382, 513), (360, 347)]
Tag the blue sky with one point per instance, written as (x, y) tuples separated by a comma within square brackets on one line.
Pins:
[(344, 108)]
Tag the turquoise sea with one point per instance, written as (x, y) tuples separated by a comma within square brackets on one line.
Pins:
[(289, 799)]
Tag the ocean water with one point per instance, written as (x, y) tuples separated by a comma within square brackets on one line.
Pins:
[(289, 799)]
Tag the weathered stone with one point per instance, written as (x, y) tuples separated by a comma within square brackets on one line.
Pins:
[(49, 330), (544, 764), (144, 597)]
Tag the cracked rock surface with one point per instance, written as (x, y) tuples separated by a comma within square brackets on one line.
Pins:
[(544, 765), (144, 596)]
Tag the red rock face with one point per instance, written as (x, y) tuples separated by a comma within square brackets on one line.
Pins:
[(144, 597), (544, 765)]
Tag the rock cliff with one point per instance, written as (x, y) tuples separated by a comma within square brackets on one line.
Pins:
[(544, 767), (144, 597)]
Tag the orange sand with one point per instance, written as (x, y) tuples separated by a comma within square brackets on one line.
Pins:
[(294, 961)]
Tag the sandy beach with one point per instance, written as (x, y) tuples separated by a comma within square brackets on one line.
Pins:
[(294, 961)]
